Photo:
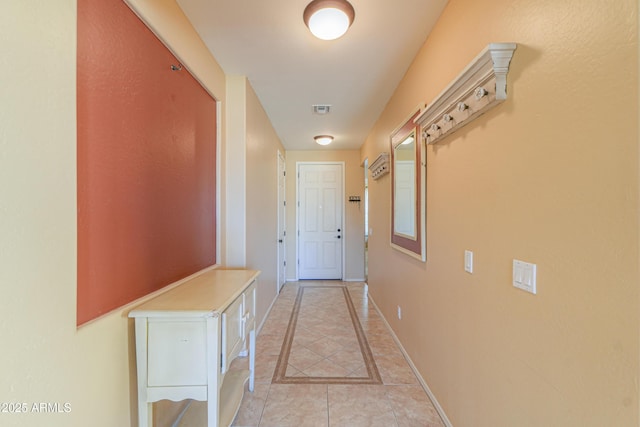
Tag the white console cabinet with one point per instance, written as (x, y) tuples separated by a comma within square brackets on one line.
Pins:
[(186, 339)]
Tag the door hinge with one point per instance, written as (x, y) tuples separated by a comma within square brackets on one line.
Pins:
[(285, 263), (285, 203), (284, 233), (284, 173)]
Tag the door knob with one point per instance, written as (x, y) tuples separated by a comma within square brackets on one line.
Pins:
[(279, 240), (338, 237)]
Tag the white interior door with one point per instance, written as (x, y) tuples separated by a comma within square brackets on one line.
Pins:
[(320, 228), (282, 263)]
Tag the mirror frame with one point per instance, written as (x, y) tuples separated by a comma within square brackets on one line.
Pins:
[(413, 247)]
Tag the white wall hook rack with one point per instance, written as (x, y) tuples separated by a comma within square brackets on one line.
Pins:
[(380, 166), (481, 86)]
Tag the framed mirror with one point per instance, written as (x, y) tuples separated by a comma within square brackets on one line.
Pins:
[(408, 190)]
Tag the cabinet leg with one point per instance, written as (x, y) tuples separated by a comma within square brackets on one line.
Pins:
[(145, 414), (252, 358), (213, 416)]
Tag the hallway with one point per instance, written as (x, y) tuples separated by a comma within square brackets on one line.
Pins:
[(332, 363)]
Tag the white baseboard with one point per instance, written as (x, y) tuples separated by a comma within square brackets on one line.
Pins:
[(266, 315), (344, 280), (421, 380)]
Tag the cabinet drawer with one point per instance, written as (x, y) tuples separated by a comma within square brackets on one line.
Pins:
[(231, 332), (177, 353)]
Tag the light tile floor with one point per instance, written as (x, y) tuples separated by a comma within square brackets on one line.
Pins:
[(398, 401)]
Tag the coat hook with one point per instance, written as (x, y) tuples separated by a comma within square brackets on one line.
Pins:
[(481, 92), (176, 68)]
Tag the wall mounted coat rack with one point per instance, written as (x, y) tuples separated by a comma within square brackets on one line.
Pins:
[(380, 166), (481, 86)]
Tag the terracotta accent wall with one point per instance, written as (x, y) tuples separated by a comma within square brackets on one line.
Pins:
[(146, 163)]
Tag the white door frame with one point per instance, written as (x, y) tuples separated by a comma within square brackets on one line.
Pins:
[(282, 220), (297, 206)]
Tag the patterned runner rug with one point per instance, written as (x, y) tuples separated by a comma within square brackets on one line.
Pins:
[(324, 342)]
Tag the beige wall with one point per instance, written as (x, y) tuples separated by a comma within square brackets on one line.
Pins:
[(549, 177), (235, 161), (44, 358), (354, 213), (262, 200)]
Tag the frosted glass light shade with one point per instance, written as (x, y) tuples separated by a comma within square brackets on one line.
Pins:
[(323, 139), (328, 19)]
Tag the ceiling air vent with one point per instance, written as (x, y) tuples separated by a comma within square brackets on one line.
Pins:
[(321, 109)]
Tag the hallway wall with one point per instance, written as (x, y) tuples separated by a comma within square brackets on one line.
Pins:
[(549, 177), (262, 201)]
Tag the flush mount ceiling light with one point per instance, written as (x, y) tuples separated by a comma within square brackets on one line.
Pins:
[(323, 139), (328, 19)]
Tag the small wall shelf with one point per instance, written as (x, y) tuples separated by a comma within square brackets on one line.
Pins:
[(481, 86), (380, 166)]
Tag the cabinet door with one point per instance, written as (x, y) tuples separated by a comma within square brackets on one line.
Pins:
[(249, 315), (250, 302), (231, 332), (177, 353)]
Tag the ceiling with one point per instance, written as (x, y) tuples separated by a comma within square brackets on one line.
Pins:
[(290, 70)]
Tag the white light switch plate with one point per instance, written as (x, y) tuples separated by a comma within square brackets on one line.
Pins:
[(524, 276), (468, 261)]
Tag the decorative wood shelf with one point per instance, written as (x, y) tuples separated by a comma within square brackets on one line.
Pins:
[(481, 86), (380, 166)]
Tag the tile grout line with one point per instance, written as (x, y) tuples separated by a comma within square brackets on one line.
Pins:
[(390, 403), (328, 411), (264, 406)]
